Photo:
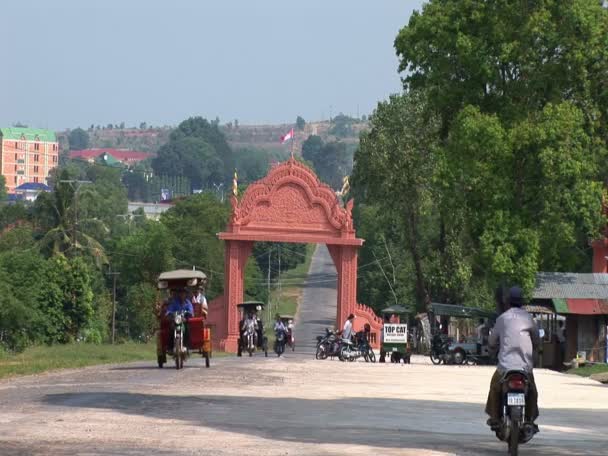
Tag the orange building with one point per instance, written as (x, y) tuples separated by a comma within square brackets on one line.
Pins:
[(27, 155)]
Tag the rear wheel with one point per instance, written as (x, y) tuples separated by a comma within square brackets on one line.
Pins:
[(371, 356), (435, 358), (459, 357), (321, 352), (514, 438)]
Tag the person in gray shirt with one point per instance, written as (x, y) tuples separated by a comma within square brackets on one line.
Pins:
[(516, 337)]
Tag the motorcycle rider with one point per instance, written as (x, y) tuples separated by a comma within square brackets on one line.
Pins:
[(180, 303), (279, 326), (516, 337), (251, 323)]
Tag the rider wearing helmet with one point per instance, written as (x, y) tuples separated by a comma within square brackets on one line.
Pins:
[(515, 335)]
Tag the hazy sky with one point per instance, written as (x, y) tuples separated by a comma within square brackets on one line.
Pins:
[(69, 63)]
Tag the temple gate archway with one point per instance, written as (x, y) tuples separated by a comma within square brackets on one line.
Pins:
[(290, 204)]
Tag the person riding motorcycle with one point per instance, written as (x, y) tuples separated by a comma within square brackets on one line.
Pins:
[(251, 324), (516, 337), (180, 303)]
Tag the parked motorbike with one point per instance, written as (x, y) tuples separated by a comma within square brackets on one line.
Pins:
[(328, 345), (440, 351), (514, 429), (357, 348), (180, 351), (279, 343)]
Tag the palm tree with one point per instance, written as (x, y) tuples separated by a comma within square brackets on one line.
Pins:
[(57, 216)]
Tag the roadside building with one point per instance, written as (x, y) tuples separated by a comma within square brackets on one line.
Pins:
[(111, 156), (30, 190), (579, 300), (27, 155)]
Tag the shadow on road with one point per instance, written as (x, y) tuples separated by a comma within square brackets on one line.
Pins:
[(380, 422)]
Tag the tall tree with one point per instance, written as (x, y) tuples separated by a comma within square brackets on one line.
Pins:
[(78, 139), (395, 167)]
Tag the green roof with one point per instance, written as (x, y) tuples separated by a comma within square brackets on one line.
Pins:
[(31, 134)]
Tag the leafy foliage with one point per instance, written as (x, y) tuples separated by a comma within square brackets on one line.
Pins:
[(331, 161), (78, 139)]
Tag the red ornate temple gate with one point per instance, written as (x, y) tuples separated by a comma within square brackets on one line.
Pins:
[(289, 205)]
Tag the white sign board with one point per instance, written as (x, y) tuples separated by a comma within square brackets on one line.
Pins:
[(395, 333)]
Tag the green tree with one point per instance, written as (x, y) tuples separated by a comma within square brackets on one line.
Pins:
[(192, 157), (300, 123), (394, 169), (78, 139), (3, 194)]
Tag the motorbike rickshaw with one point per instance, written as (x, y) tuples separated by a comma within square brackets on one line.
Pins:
[(179, 325), (395, 340), (251, 339), (288, 322), (465, 350)]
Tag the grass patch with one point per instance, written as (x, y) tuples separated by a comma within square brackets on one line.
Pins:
[(286, 300), (587, 371), (45, 358)]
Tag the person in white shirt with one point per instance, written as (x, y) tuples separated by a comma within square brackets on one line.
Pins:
[(347, 331)]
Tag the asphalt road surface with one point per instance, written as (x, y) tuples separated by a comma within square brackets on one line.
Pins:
[(293, 405), (317, 310)]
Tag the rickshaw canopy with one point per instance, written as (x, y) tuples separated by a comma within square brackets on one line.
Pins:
[(181, 278), (286, 317), (251, 304), (459, 311), (397, 310)]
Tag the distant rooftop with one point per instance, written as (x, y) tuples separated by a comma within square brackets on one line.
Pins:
[(118, 154), (568, 285), (30, 134), (33, 186)]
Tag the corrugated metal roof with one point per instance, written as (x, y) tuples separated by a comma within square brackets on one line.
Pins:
[(564, 285), (33, 186), (30, 134)]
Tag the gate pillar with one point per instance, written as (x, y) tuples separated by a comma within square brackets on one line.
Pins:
[(345, 259), (235, 260)]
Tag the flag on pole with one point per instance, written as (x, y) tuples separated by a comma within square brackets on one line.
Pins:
[(235, 184), (287, 137)]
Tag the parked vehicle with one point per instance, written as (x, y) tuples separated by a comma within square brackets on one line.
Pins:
[(439, 349), (395, 336), (328, 345), (514, 429), (251, 338), (199, 335), (465, 351)]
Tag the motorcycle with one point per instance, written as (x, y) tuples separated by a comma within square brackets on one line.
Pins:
[(328, 345), (352, 350), (279, 343), (180, 351), (250, 339), (514, 429), (440, 351)]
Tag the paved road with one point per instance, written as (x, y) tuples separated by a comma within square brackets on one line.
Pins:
[(293, 405), (317, 309)]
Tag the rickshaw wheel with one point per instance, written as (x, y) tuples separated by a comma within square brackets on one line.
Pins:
[(371, 356)]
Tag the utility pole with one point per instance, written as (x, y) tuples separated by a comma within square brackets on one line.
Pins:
[(268, 284), (78, 184), (113, 275)]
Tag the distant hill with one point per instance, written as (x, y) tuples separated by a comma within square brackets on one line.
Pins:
[(266, 137), (269, 136)]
